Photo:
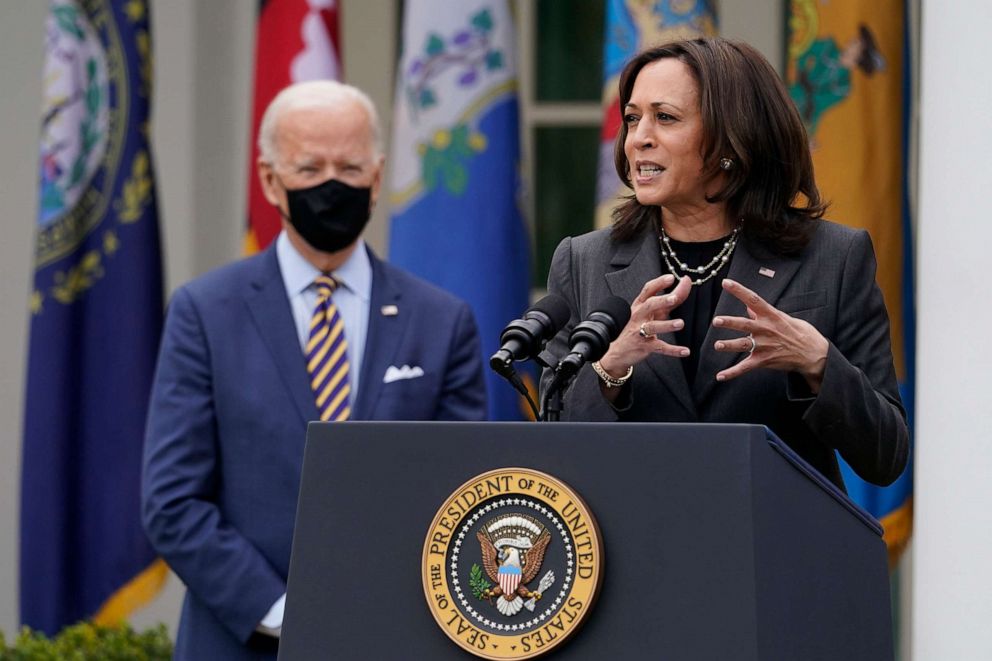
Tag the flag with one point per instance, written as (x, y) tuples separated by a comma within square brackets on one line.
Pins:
[(295, 40), (456, 218), (632, 26), (847, 73), (96, 315)]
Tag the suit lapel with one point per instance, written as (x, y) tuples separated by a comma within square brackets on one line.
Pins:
[(635, 264), (749, 266), (384, 336), (270, 310)]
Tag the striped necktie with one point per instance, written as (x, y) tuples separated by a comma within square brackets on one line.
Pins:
[(327, 355)]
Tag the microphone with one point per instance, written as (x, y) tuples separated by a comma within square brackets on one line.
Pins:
[(524, 338), (591, 338)]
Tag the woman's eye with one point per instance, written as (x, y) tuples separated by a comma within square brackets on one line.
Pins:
[(664, 117), (630, 119)]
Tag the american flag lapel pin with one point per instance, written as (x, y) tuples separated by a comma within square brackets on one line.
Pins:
[(767, 272), (389, 310)]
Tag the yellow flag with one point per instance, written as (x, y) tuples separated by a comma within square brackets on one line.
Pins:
[(847, 76)]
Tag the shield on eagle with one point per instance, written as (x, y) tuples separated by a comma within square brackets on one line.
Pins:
[(509, 578)]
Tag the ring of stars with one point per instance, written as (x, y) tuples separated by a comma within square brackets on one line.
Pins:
[(456, 550)]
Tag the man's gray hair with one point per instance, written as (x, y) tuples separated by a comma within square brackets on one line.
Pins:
[(313, 94)]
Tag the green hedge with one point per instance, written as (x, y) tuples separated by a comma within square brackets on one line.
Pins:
[(88, 642)]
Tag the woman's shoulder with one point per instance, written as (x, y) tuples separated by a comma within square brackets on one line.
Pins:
[(602, 243), (590, 241), (833, 238), (831, 232)]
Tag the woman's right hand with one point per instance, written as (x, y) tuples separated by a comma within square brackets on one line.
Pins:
[(651, 310)]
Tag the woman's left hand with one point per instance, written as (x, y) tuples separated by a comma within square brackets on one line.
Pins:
[(774, 340)]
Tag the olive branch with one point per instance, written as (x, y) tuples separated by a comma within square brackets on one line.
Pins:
[(477, 582)]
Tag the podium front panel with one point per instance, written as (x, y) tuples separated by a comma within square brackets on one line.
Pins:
[(678, 509)]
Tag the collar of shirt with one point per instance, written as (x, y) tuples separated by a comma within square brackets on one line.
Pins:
[(298, 274)]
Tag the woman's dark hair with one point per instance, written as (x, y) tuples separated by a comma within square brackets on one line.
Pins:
[(748, 117)]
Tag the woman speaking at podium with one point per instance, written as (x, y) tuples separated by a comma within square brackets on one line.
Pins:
[(746, 307)]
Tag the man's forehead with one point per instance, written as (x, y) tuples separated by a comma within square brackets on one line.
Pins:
[(317, 132), (317, 146), (349, 115)]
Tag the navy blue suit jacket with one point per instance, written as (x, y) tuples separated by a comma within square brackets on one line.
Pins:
[(227, 425)]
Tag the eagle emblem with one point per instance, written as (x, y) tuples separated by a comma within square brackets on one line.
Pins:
[(513, 547), (485, 550)]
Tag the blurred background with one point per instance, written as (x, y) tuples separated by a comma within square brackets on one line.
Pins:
[(200, 140)]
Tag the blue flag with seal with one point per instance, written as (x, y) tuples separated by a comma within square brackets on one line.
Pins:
[(456, 218), (96, 316)]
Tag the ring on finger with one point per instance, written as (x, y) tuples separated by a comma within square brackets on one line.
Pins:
[(643, 333), (754, 344)]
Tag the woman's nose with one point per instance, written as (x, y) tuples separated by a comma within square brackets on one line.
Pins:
[(642, 136)]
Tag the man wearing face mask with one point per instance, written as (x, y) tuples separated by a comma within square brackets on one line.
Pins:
[(316, 327)]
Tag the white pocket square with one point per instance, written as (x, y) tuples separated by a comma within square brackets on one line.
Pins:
[(394, 373)]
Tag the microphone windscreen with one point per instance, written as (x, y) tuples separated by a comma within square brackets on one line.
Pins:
[(618, 310), (556, 308)]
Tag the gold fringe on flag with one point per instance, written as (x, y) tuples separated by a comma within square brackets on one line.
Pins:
[(898, 527), (136, 593)]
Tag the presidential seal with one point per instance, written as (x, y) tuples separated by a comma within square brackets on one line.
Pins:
[(512, 564)]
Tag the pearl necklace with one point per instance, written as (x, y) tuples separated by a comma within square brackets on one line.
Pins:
[(672, 260)]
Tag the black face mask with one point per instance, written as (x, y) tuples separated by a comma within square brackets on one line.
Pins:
[(329, 216)]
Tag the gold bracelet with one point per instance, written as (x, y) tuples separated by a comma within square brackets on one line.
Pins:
[(612, 381)]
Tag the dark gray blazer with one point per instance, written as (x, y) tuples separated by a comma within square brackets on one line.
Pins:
[(831, 284)]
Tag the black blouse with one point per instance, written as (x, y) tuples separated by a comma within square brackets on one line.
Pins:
[(697, 310)]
